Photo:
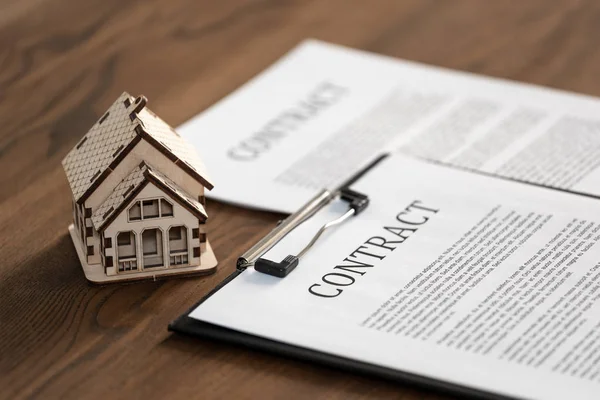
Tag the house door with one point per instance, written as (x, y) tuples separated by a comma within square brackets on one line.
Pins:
[(152, 248)]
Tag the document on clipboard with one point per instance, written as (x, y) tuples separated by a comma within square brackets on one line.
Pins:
[(325, 107), (452, 280)]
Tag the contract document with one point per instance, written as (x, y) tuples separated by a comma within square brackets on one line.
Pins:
[(324, 111), (462, 278)]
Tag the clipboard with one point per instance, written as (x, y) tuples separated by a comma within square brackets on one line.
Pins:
[(193, 327), (188, 326)]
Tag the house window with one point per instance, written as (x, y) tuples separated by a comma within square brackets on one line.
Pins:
[(150, 208), (177, 239), (178, 246), (124, 238), (126, 252), (126, 245), (175, 233), (135, 212), (166, 208)]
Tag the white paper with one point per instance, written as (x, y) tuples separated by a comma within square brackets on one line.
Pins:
[(323, 111), (497, 287)]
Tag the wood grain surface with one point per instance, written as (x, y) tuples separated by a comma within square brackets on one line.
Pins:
[(62, 62)]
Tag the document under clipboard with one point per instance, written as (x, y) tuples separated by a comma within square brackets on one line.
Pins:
[(253, 258), (356, 202)]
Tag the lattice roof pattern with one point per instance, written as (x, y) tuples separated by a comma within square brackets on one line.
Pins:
[(170, 139), (111, 134), (98, 148)]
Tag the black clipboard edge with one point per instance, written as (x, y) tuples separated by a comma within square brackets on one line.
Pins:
[(195, 328)]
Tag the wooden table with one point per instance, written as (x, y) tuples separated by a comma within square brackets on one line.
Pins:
[(63, 62)]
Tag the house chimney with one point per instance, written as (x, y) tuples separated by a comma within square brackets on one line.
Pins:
[(138, 105)]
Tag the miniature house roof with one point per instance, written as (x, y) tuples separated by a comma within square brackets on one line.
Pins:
[(126, 122), (126, 191)]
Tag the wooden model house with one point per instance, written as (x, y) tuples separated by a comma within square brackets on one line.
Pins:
[(138, 198)]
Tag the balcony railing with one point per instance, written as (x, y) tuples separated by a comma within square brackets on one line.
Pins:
[(178, 258), (128, 264)]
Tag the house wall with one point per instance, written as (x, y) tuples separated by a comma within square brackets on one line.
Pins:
[(87, 235), (142, 151), (92, 242), (202, 235), (181, 216)]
